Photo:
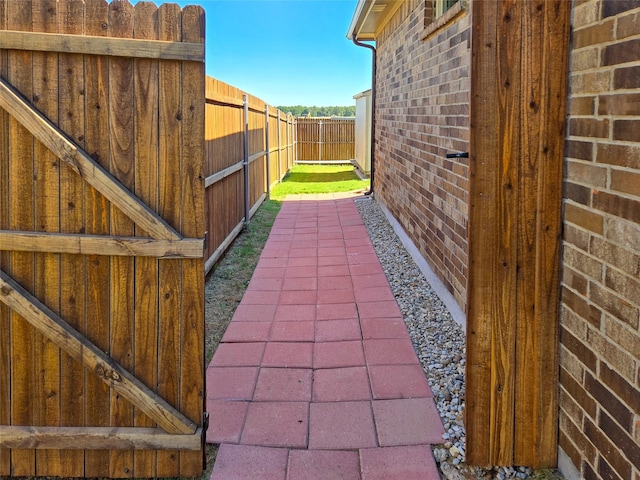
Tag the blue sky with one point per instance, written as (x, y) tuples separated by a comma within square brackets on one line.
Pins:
[(287, 52)]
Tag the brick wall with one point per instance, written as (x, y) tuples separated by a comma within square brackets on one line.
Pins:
[(422, 113), (600, 339)]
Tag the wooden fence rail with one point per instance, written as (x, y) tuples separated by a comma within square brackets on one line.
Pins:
[(329, 140)]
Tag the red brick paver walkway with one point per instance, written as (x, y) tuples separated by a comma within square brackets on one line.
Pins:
[(316, 377)]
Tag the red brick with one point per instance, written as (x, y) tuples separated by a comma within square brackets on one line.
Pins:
[(622, 207), (574, 280), (619, 104), (592, 35), (590, 82), (576, 237), (578, 393), (629, 394), (584, 218), (623, 52), (581, 106), (611, 353), (577, 193), (616, 7), (625, 182), (615, 255), (587, 173), (624, 233), (626, 130), (622, 336), (605, 470), (589, 127), (609, 402), (579, 150), (627, 77), (579, 349), (620, 438), (586, 264)]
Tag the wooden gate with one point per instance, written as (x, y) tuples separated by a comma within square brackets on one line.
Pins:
[(101, 239)]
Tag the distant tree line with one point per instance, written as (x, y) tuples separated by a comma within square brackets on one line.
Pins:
[(301, 111)]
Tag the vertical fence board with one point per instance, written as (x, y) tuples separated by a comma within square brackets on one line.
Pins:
[(47, 211), (527, 188), (21, 217), (192, 368), (97, 221), (171, 195), (551, 73), (517, 136), (481, 213), (146, 188), (121, 136), (72, 274), (5, 333)]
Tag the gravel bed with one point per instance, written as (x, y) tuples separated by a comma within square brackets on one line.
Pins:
[(439, 341)]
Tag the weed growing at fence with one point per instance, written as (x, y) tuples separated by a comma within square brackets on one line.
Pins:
[(319, 179)]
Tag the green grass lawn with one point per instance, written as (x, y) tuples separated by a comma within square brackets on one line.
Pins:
[(319, 179)]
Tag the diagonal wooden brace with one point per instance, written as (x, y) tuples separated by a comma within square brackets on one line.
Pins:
[(85, 166), (92, 358)]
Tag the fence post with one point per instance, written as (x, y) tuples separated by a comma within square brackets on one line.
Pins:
[(268, 154), (245, 163), (320, 141), (279, 149)]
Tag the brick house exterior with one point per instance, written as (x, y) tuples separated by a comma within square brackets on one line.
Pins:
[(600, 337), (422, 109), (423, 99)]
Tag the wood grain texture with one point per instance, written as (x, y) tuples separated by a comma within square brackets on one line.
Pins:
[(553, 106), (170, 271), (121, 148), (5, 324), (147, 189), (517, 137), (97, 222), (21, 265), (482, 218), (80, 244), (118, 47), (72, 272), (47, 211), (98, 438), (192, 367)]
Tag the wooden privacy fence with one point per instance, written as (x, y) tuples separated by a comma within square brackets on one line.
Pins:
[(101, 239), (325, 139), (249, 146)]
